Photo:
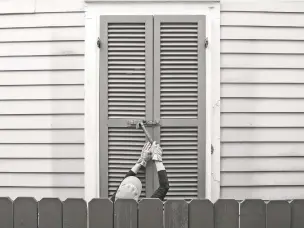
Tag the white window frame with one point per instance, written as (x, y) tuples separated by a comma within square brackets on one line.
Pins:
[(95, 8)]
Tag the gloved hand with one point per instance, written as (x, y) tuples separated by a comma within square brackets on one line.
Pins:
[(145, 155), (157, 152)]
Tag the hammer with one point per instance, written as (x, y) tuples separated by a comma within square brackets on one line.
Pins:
[(142, 125)]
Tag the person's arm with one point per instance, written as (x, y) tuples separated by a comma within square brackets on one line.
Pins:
[(163, 188), (141, 163), (132, 172)]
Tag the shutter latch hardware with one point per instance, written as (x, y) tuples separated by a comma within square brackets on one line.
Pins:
[(98, 43), (206, 42), (148, 123)]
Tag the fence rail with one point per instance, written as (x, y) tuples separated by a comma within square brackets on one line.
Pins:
[(149, 213)]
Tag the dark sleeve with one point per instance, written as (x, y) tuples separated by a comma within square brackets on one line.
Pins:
[(163, 188), (130, 173)]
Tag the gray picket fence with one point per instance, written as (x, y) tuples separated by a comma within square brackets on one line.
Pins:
[(149, 213)]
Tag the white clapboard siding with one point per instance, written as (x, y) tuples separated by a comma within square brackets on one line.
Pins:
[(263, 90), (41, 92), (41, 20), (264, 120), (41, 179), (41, 48), (41, 165), (262, 19), (42, 136), (41, 151), (265, 192), (270, 76), (42, 122), (261, 61), (42, 192), (42, 34), (25, 107), (42, 63), (262, 178), (63, 77), (253, 149), (262, 102), (256, 105), (42, 99), (262, 33), (262, 134), (262, 46)]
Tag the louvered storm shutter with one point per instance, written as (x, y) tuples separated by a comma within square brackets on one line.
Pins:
[(125, 94), (179, 101)]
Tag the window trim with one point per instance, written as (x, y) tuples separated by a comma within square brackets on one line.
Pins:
[(212, 12)]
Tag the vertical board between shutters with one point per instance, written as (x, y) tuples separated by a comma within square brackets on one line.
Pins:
[(179, 102), (125, 94)]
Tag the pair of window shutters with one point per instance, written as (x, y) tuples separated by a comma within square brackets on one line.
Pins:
[(153, 68)]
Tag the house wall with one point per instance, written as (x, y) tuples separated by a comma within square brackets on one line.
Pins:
[(42, 98), (262, 102)]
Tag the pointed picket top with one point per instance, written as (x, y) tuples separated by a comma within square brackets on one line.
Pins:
[(176, 214), (101, 212), (226, 212), (278, 214), (25, 212), (50, 213), (253, 214), (297, 217), (150, 213), (201, 212), (6, 212), (74, 213), (125, 213)]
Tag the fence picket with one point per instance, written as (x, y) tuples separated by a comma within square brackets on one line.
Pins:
[(25, 213), (6, 213), (297, 216), (125, 213), (253, 214), (50, 213), (74, 213), (201, 212), (278, 214), (101, 213), (176, 214), (150, 213), (226, 212)]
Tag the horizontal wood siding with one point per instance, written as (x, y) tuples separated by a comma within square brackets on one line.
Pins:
[(42, 98), (262, 95)]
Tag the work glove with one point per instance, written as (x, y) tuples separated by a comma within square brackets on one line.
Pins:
[(157, 152), (145, 155)]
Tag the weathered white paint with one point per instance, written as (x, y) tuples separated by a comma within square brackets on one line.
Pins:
[(262, 99), (213, 79), (42, 98), (41, 78), (43, 34), (41, 107)]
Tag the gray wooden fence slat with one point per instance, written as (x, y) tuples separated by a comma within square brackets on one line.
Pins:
[(278, 214), (101, 213), (253, 214), (50, 213), (176, 214), (297, 214), (150, 213), (201, 212), (226, 213), (25, 213), (125, 213), (6, 213), (74, 213)]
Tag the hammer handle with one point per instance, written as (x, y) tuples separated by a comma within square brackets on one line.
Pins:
[(146, 133)]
